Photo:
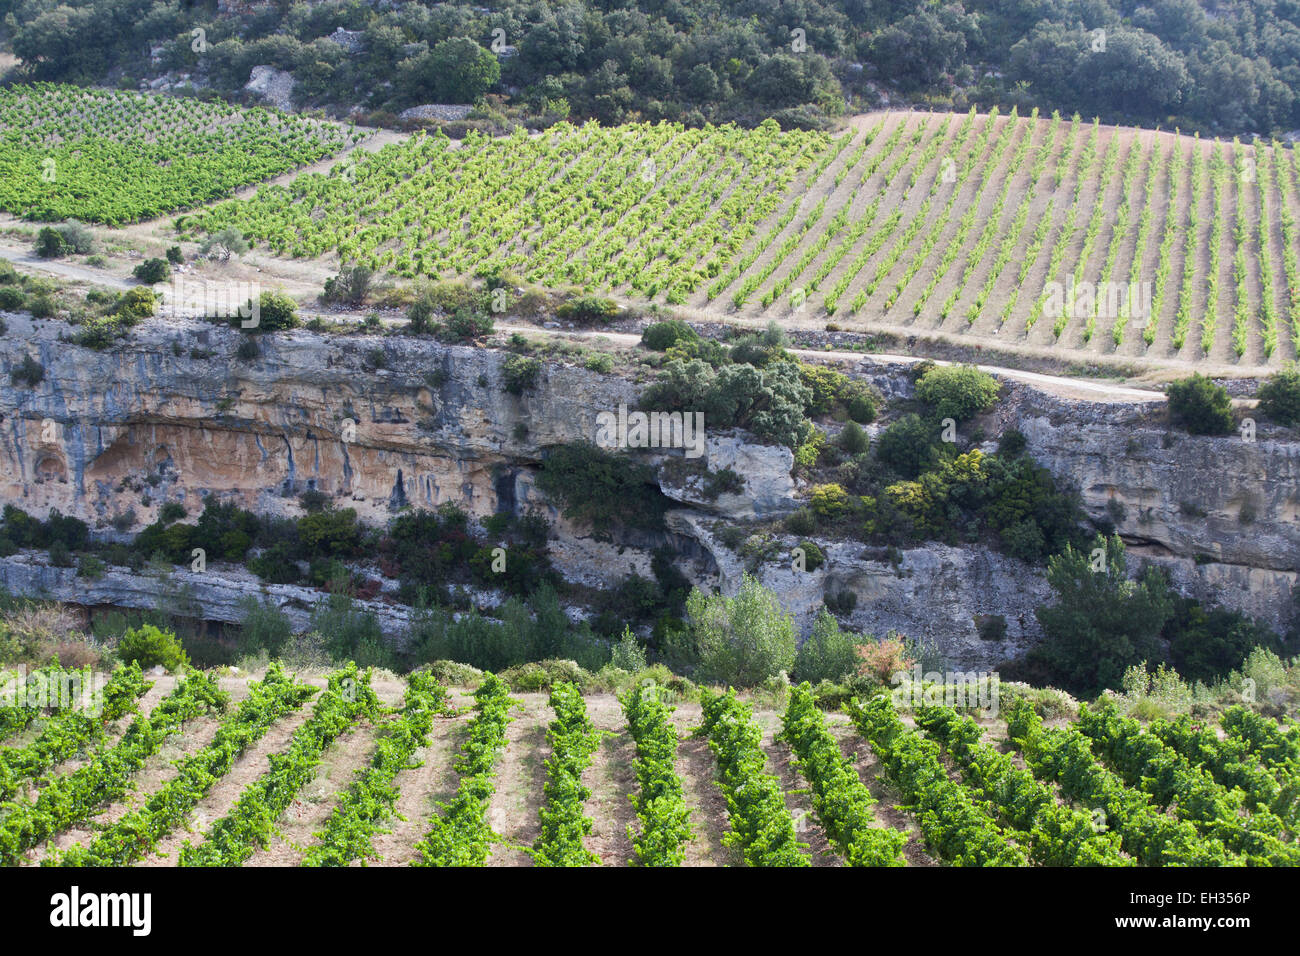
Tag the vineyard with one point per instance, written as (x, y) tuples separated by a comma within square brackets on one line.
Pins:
[(1049, 233), (355, 769), (113, 157)]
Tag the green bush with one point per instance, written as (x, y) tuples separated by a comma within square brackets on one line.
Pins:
[(824, 385), (520, 373), (588, 309), (174, 255), (1200, 406), (264, 628), (42, 305), (11, 299), (828, 654), (465, 325), (660, 336), (1279, 397), (28, 372), (1208, 645), (276, 312), (153, 271), (813, 556), (744, 640), (853, 439), (859, 401), (50, 244), (8, 274), (769, 402), (135, 304), (150, 647), (958, 392), (1102, 623), (909, 446), (600, 487)]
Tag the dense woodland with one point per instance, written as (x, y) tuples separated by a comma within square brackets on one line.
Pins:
[(1230, 67)]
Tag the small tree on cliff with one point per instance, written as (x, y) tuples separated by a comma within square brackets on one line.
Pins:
[(741, 640), (1102, 622)]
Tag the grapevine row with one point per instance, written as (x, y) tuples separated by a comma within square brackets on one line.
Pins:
[(954, 827), (251, 822), (573, 740), (138, 833), (349, 832), (761, 827), (665, 824), (841, 801)]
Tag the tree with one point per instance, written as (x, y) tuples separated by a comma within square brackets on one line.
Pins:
[(224, 244), (742, 640), (828, 654), (457, 70), (1102, 622)]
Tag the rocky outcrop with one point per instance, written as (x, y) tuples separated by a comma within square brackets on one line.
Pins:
[(1224, 499), (442, 112), (381, 423), (272, 85)]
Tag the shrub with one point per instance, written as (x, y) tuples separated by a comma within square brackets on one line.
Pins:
[(276, 312), (50, 244), (859, 401), (853, 439), (1279, 397), (661, 336), (881, 660), (600, 487), (135, 304), (224, 244), (1101, 623), (813, 556), (829, 501), (171, 511), (153, 271), (42, 306), (1011, 443), (801, 522), (909, 446), (824, 384), (601, 362), (628, 654), (743, 640), (77, 236), (828, 654), (150, 647), (520, 373), (957, 392), (28, 372), (465, 325), (264, 628), (1200, 406), (1207, 645), (588, 309), (11, 299), (351, 286), (8, 274), (175, 256)]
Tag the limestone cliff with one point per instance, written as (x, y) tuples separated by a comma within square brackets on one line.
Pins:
[(173, 414)]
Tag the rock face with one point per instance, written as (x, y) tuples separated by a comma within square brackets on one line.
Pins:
[(1224, 499), (274, 86), (173, 414), (446, 112)]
